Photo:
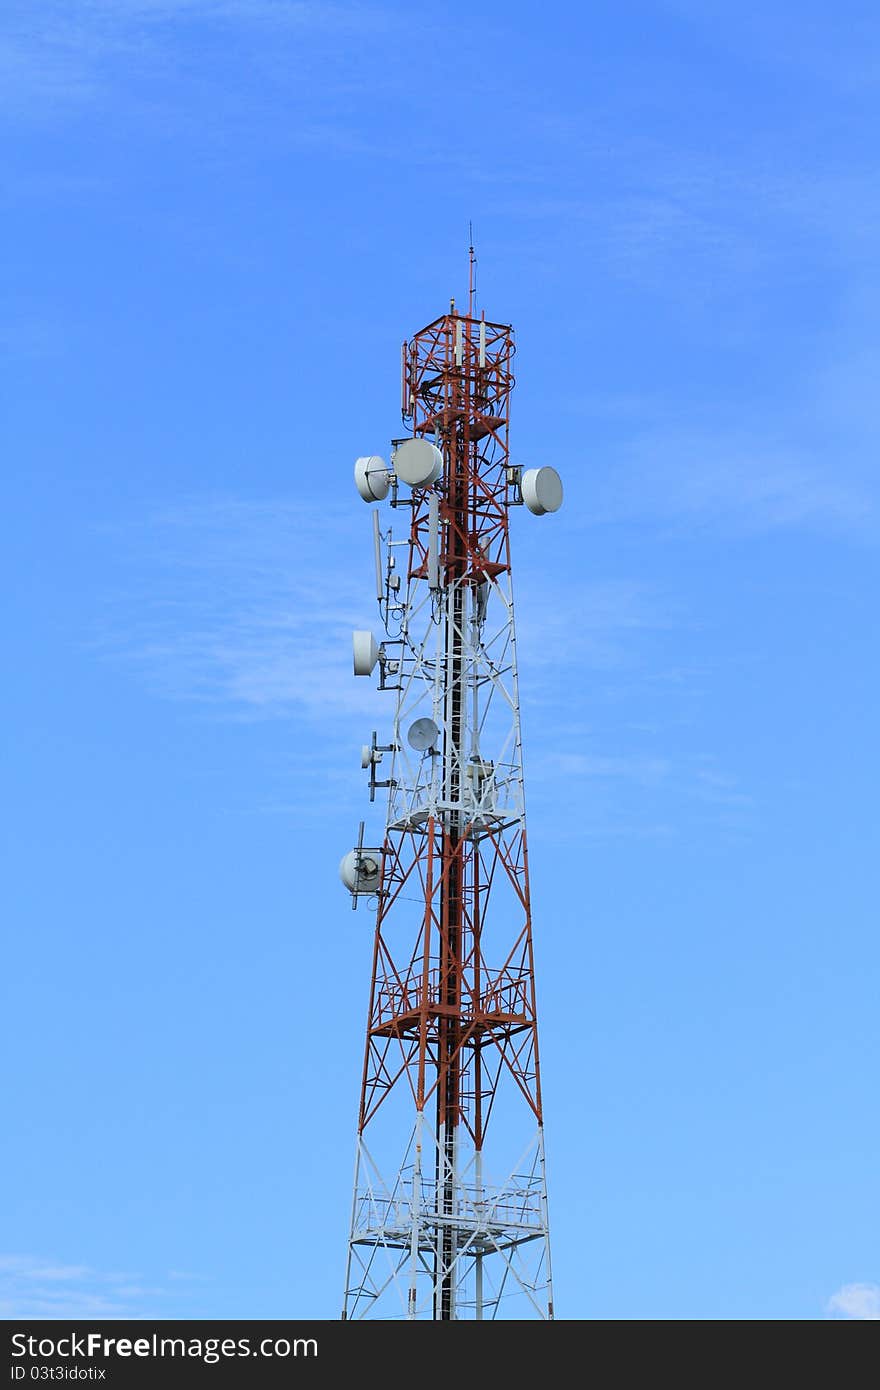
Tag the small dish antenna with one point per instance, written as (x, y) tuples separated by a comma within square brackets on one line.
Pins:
[(372, 478), (422, 735), (417, 462), (360, 870), (541, 490), (366, 653)]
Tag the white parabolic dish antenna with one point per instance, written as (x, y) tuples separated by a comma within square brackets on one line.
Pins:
[(541, 490), (371, 478), (422, 735), (417, 462), (366, 653), (360, 871)]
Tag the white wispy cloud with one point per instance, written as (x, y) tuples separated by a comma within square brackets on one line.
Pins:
[(245, 607), (244, 610), (584, 622), (31, 1287), (856, 1302), (54, 56), (242, 607), (837, 56), (708, 480), (31, 336), (629, 791), (311, 14), (649, 771), (92, 20), (793, 448), (802, 461)]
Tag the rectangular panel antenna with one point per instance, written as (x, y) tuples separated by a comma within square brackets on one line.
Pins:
[(377, 551)]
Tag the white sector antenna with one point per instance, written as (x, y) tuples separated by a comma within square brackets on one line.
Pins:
[(422, 735), (541, 490), (366, 653), (417, 462), (372, 478)]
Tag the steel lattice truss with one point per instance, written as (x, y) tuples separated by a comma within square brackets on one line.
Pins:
[(449, 1214)]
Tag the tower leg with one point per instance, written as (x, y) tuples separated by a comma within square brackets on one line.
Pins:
[(412, 1295), (478, 1262)]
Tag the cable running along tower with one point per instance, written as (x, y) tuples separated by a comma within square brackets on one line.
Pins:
[(449, 1217)]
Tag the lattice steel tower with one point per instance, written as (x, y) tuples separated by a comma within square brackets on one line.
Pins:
[(449, 1218)]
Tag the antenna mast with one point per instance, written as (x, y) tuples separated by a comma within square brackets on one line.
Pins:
[(449, 1216)]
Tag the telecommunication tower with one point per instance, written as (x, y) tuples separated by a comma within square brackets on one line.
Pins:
[(449, 1216)]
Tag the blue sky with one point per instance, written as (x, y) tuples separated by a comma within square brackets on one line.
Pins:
[(219, 222)]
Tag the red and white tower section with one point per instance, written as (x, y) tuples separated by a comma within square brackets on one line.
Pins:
[(449, 1217)]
